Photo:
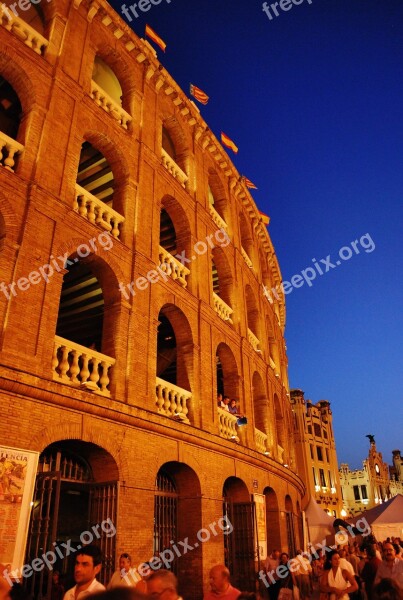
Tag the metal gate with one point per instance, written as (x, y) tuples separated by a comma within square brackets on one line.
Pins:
[(165, 516), (239, 545), (103, 510), (43, 530)]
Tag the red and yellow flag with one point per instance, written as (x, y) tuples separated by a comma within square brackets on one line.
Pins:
[(249, 184), (229, 143), (265, 218), (155, 38), (198, 94)]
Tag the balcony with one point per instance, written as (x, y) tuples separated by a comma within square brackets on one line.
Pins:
[(8, 149), (82, 367), (222, 309), (218, 220), (98, 213), (227, 425), (173, 168), (246, 258), (254, 341), (109, 105), (261, 441), (25, 32), (173, 267), (172, 400)]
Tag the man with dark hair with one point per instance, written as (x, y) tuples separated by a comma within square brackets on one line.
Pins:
[(162, 585), (88, 565), (391, 567)]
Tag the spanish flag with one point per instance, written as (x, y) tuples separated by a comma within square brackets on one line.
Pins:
[(155, 38), (198, 94), (249, 184), (265, 218), (229, 143)]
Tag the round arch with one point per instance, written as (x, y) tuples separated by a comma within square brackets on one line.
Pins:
[(272, 520)]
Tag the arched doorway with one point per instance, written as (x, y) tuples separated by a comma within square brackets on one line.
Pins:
[(272, 520), (239, 544), (177, 517), (75, 503), (291, 525)]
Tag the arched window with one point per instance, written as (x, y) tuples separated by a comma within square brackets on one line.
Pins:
[(107, 92), (252, 312), (175, 150), (246, 241), (217, 200), (10, 118), (167, 144), (222, 284), (263, 434), (174, 241)]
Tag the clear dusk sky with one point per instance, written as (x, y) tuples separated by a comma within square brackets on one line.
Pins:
[(314, 98)]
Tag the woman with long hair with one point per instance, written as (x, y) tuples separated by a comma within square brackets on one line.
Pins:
[(337, 582)]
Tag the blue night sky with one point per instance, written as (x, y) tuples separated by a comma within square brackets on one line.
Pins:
[(313, 98)]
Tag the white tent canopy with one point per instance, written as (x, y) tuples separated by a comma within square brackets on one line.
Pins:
[(386, 519), (319, 523)]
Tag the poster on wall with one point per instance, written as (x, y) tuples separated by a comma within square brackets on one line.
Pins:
[(260, 503), (17, 481)]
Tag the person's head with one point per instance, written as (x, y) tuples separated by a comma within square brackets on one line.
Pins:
[(284, 558), (88, 565), (219, 397), (232, 403), (226, 399), (342, 552), (162, 585), (387, 589), (370, 551), (219, 578), (55, 576), (389, 553), (276, 554), (125, 562), (397, 549), (332, 560)]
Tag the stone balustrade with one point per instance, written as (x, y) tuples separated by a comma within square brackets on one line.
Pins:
[(81, 366), (246, 258), (218, 220), (222, 309), (98, 213), (109, 105), (8, 149), (272, 364), (22, 30), (173, 168), (172, 400), (261, 441), (227, 425), (173, 267), (280, 453), (253, 340)]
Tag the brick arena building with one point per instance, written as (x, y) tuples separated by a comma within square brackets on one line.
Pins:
[(113, 349)]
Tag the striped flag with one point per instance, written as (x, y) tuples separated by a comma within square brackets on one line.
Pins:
[(198, 94), (265, 218), (229, 143), (249, 184), (155, 38)]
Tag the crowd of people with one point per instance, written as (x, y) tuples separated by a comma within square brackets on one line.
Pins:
[(372, 571)]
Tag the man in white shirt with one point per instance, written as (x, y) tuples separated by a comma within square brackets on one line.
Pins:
[(88, 565), (344, 563), (123, 576)]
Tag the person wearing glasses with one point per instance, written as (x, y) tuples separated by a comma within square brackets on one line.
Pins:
[(162, 585)]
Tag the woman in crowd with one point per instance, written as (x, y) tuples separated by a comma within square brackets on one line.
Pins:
[(335, 581)]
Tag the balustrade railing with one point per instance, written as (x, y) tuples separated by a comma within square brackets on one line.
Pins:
[(98, 213), (227, 425), (280, 453), (222, 309), (172, 400), (218, 220), (8, 149), (173, 168), (246, 258), (253, 340), (109, 105), (261, 441), (25, 32), (81, 366), (173, 267)]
